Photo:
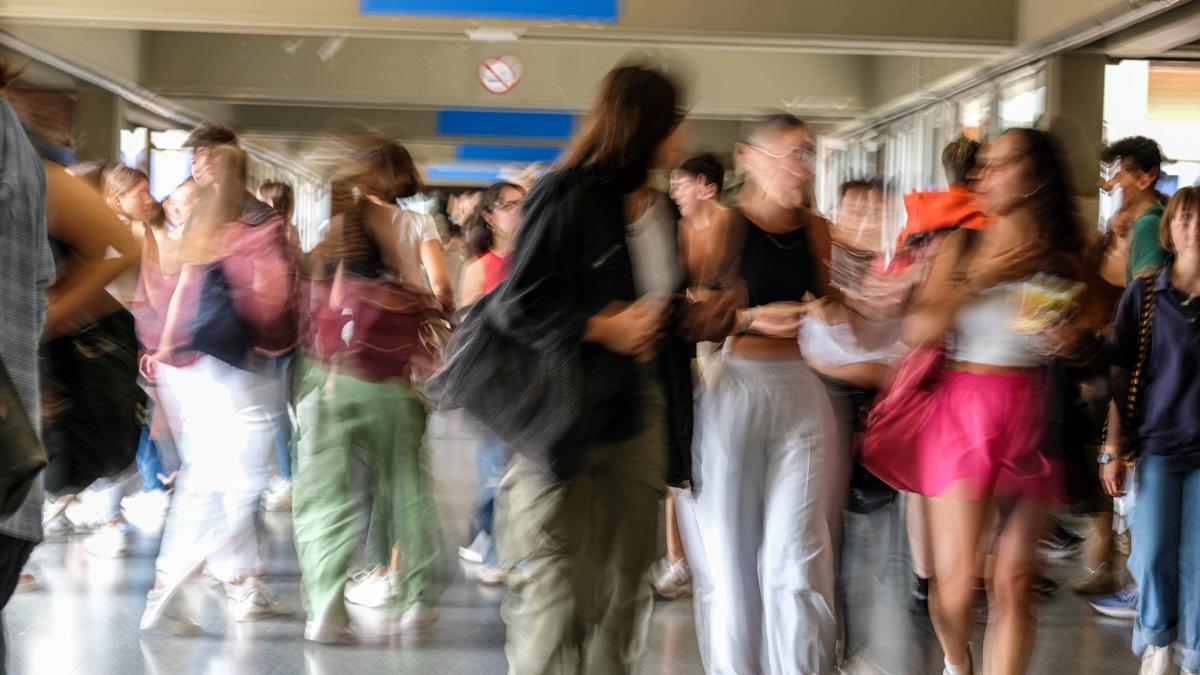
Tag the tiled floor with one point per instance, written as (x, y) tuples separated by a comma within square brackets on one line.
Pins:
[(85, 619)]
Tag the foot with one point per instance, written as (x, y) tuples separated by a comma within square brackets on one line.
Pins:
[(1099, 581), (673, 580), (165, 610), (329, 633), (110, 541), (26, 583), (473, 553), (370, 588), (1156, 661), (252, 601), (1119, 605), (279, 497), (418, 617), (492, 576), (920, 595), (1060, 543), (55, 524)]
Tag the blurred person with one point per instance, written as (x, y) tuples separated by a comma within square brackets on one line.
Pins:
[(355, 388), (280, 197), (26, 269), (178, 206), (491, 233), (770, 480), (1165, 447), (984, 443), (602, 419), (230, 316), (1137, 162)]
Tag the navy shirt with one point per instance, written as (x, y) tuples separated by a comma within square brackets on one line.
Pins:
[(1170, 398)]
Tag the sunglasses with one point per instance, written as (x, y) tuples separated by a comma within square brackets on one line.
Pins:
[(800, 153)]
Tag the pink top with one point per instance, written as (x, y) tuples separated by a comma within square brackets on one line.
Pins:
[(495, 269)]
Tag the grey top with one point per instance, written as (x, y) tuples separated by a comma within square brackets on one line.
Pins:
[(26, 268)]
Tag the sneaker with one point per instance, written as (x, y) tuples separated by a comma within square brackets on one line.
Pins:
[(474, 553), (279, 497), (418, 617), (110, 541), (329, 633), (673, 580), (1156, 661), (368, 588), (492, 576), (56, 526), (1119, 605), (1099, 581), (26, 583), (1044, 585), (165, 609), (920, 595), (1059, 543), (252, 601)]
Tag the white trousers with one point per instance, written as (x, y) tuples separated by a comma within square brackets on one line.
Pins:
[(770, 471), (227, 448)]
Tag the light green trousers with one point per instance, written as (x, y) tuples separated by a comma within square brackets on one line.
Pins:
[(339, 415), (580, 599)]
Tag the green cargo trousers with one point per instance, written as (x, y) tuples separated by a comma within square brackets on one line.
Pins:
[(338, 416), (579, 600)]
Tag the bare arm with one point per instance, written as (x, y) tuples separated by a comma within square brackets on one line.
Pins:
[(470, 287), (103, 248), (435, 269)]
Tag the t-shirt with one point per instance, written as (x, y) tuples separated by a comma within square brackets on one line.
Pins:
[(1146, 253), (413, 229), (654, 250)]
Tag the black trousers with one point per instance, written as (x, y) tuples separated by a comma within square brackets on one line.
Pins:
[(14, 553)]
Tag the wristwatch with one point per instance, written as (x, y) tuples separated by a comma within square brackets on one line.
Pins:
[(1105, 458)]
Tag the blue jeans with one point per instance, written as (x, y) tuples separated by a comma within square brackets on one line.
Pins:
[(1165, 561), (491, 460), (149, 463)]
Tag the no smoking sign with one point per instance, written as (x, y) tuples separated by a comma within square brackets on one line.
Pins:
[(501, 74)]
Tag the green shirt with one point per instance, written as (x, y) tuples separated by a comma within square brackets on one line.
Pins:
[(1146, 253)]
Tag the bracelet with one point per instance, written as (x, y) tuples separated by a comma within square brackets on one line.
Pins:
[(747, 321)]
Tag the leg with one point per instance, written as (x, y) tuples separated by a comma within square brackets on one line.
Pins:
[(918, 534), (1010, 637), (492, 460), (1156, 552), (413, 510), (14, 553), (956, 525), (621, 544), (1189, 575), (326, 524), (798, 560), (536, 521), (149, 464), (675, 551)]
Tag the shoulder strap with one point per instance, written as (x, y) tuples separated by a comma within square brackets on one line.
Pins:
[(1137, 379)]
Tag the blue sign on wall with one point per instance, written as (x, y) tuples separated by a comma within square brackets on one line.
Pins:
[(523, 154), (605, 11), (505, 123)]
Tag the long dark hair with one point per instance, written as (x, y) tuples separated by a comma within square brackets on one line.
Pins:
[(478, 232), (381, 168), (637, 108), (280, 197), (1052, 201)]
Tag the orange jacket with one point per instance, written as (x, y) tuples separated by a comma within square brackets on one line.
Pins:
[(933, 211)]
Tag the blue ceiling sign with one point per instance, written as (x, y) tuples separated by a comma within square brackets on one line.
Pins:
[(506, 123), (603, 11), (524, 154)]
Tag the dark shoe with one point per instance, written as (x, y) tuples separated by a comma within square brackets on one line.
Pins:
[(1044, 585), (1058, 543), (920, 596)]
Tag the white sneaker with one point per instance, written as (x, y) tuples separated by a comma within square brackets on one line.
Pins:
[(279, 497), (492, 576), (55, 524), (329, 633), (110, 541), (1156, 661), (674, 580), (252, 601), (474, 553), (368, 588), (418, 617), (164, 609)]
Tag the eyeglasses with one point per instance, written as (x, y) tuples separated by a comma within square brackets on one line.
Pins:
[(504, 205), (801, 153)]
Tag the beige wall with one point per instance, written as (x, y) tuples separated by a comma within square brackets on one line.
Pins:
[(1037, 19), (892, 77), (115, 53)]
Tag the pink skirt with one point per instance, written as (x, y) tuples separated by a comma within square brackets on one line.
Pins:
[(985, 438)]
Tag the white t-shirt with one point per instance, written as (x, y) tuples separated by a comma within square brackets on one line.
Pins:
[(413, 229), (654, 250)]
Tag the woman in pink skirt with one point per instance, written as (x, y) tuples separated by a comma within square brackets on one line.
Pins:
[(982, 451)]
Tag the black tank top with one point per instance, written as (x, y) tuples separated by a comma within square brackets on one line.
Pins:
[(777, 267)]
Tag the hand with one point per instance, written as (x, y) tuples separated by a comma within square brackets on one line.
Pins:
[(779, 319), (147, 366), (1018, 262), (1112, 476), (711, 317), (633, 330), (1058, 338)]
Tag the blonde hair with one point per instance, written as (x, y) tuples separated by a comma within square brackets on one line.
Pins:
[(119, 179)]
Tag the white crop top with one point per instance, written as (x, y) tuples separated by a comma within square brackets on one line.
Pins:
[(984, 332)]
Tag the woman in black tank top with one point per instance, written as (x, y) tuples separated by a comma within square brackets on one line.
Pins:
[(766, 461)]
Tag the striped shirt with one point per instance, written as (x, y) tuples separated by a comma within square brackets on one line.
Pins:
[(26, 268)]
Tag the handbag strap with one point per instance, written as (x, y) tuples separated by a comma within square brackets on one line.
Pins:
[(1137, 379)]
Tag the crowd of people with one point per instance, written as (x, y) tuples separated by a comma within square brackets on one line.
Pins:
[(1004, 366)]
